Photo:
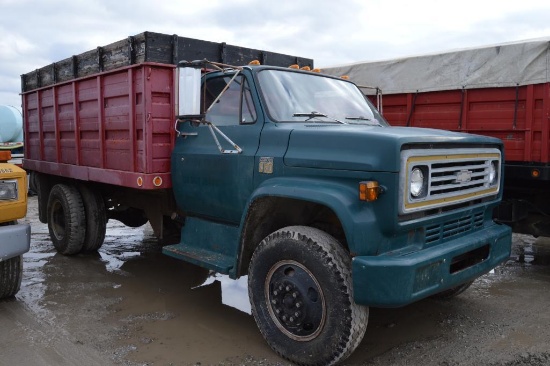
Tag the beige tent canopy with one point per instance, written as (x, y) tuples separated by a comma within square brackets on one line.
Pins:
[(510, 64)]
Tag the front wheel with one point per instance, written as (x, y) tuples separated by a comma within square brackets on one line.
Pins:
[(300, 290)]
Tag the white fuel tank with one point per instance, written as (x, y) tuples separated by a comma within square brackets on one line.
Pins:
[(11, 124)]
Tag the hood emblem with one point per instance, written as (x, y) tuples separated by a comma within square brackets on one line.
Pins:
[(463, 176)]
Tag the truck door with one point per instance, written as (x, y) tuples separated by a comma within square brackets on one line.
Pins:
[(208, 183)]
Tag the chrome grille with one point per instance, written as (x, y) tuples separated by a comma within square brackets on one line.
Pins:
[(451, 176)]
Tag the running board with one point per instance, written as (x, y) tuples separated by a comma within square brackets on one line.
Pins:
[(202, 257), (208, 244)]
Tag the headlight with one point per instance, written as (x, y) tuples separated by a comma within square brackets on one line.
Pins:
[(8, 190), (493, 173), (416, 183)]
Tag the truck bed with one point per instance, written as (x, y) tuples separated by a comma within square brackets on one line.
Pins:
[(108, 115)]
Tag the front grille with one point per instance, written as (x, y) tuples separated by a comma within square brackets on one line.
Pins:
[(450, 177), (453, 228), (443, 176)]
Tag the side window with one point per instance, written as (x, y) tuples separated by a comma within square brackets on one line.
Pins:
[(235, 105)]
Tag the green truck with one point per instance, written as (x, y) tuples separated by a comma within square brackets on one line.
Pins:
[(285, 175)]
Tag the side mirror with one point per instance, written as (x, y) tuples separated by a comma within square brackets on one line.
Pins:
[(189, 90)]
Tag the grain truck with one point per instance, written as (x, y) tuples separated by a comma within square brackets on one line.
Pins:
[(282, 174)]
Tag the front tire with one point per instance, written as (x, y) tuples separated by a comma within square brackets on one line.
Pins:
[(11, 272), (66, 219), (300, 291)]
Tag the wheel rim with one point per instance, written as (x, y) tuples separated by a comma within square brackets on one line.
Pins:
[(57, 220), (295, 300)]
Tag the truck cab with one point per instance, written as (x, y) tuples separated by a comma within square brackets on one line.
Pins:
[(14, 238)]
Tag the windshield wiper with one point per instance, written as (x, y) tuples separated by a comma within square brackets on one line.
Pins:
[(315, 114), (361, 118)]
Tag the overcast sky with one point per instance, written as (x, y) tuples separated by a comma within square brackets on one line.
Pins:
[(34, 33)]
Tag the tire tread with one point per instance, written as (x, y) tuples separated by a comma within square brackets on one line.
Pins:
[(11, 273), (336, 257)]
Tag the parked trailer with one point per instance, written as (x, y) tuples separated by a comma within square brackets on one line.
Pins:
[(501, 91), (288, 176)]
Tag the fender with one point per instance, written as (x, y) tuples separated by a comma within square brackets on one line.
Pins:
[(341, 196)]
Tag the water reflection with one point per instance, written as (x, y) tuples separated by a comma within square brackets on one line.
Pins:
[(530, 250)]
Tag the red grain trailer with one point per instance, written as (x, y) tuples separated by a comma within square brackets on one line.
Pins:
[(501, 91)]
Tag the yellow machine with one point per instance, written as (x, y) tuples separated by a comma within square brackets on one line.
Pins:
[(14, 238)]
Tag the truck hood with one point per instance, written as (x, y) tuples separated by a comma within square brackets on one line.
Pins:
[(366, 148)]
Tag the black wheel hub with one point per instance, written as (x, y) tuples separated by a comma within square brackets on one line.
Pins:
[(296, 300)]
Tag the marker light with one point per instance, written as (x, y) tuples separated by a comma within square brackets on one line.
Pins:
[(369, 191), (157, 181)]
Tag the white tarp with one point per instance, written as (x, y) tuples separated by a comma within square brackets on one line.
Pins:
[(510, 64)]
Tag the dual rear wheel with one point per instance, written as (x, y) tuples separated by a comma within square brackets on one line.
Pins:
[(76, 219)]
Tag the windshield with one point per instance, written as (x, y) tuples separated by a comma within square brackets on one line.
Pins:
[(298, 97)]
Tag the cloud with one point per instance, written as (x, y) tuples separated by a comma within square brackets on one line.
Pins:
[(36, 33)]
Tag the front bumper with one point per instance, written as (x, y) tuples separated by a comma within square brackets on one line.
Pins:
[(14, 240), (394, 281)]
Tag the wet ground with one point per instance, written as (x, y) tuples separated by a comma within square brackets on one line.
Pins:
[(131, 305)]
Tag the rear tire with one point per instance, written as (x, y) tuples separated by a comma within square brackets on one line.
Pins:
[(300, 290), (66, 219), (11, 273), (96, 219)]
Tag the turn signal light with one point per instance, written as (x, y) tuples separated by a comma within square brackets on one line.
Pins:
[(369, 191)]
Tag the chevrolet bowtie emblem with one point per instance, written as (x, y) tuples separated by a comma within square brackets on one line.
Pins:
[(463, 176)]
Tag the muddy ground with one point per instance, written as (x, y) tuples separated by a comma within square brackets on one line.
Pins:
[(131, 305)]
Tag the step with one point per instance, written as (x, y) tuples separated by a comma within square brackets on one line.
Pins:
[(215, 261)]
